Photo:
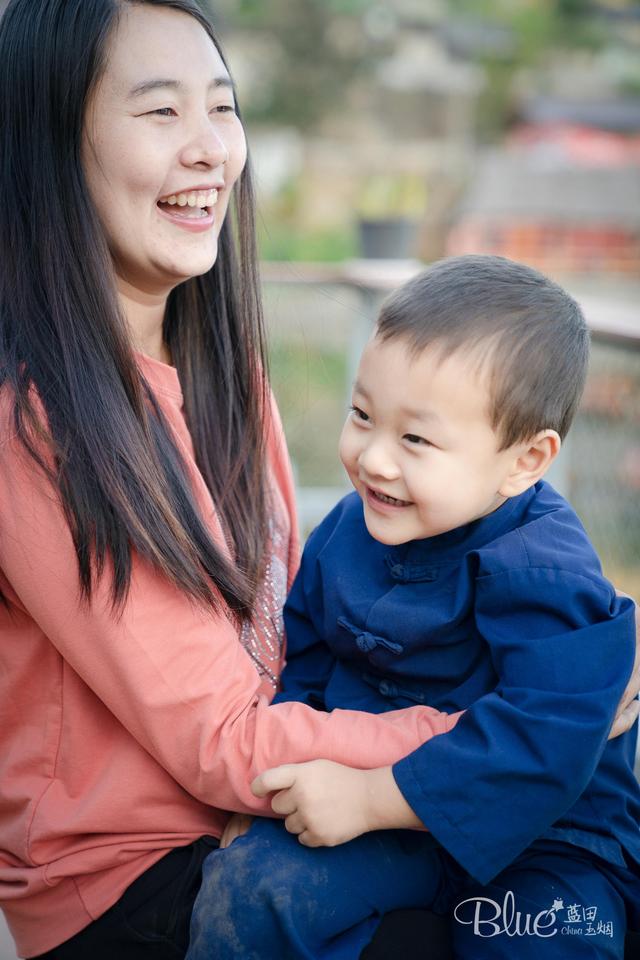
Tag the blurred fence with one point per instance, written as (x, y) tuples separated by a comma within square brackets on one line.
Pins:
[(319, 317)]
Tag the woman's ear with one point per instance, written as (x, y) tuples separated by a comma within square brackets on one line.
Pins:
[(533, 459)]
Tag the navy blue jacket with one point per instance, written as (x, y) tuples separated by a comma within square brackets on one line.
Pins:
[(508, 618)]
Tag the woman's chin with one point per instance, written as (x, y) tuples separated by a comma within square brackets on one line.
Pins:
[(179, 271)]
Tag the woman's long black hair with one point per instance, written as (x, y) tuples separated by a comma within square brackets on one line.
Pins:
[(65, 350)]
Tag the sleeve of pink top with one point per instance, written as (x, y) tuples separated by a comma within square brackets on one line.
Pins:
[(176, 676)]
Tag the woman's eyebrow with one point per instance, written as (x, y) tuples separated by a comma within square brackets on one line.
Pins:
[(148, 85)]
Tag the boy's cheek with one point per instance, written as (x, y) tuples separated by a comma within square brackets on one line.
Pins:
[(346, 451)]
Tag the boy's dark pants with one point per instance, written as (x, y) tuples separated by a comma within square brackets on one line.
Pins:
[(267, 896)]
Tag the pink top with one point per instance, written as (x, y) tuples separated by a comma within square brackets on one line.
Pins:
[(122, 739)]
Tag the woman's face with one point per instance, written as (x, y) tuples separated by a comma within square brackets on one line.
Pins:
[(163, 147)]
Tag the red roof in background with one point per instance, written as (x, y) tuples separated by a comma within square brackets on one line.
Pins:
[(577, 145)]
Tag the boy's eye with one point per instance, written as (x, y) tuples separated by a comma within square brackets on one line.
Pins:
[(414, 438), (359, 414)]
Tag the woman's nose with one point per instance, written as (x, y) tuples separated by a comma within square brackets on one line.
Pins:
[(207, 146)]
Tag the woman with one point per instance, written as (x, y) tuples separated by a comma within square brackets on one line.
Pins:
[(146, 506), (147, 528)]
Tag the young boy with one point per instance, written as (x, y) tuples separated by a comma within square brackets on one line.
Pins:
[(453, 576)]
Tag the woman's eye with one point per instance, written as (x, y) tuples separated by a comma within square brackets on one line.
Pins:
[(223, 108)]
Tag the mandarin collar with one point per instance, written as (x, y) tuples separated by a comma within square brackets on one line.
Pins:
[(449, 547)]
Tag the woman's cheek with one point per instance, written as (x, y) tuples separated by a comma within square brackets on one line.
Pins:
[(237, 148)]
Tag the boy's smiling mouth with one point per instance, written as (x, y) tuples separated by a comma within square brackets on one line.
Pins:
[(383, 498)]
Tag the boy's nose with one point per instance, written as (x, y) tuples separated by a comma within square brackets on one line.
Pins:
[(376, 461)]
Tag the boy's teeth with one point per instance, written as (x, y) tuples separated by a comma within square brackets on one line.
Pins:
[(386, 499)]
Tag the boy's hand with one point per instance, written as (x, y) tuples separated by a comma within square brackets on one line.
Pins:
[(323, 802), (237, 826), (326, 803), (629, 705)]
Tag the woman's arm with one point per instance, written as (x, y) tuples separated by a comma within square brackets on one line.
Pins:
[(175, 676), (326, 803)]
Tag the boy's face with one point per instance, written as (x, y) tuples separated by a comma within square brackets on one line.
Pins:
[(418, 445)]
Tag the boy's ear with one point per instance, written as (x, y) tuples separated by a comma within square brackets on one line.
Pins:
[(533, 459)]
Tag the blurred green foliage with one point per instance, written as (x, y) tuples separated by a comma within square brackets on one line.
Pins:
[(283, 240), (282, 235), (309, 384), (538, 29), (320, 47), (383, 195)]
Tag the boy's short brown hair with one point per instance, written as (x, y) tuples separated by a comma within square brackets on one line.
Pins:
[(527, 329)]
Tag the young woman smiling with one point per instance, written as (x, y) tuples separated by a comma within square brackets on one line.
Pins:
[(147, 525)]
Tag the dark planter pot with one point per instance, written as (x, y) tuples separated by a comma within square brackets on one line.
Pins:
[(392, 239)]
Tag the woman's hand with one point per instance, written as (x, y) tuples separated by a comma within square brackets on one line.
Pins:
[(629, 706), (236, 827)]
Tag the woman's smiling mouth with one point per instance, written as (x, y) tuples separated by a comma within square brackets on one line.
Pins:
[(193, 199), (192, 209)]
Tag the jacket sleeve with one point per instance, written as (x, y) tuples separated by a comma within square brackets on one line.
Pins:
[(174, 676), (562, 647)]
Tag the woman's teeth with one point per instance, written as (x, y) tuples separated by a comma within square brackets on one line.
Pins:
[(193, 199), (196, 214)]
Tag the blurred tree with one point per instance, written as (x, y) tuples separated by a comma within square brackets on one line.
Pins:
[(306, 54), (539, 29), (313, 50)]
